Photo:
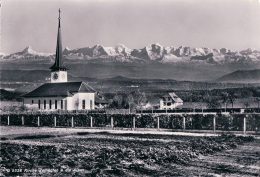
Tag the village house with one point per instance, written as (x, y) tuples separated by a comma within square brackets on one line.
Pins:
[(167, 101), (170, 101), (60, 94), (100, 102)]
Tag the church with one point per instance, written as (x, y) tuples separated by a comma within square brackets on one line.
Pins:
[(60, 94)]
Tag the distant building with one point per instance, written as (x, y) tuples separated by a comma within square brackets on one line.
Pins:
[(167, 101), (100, 102), (170, 101), (60, 94)]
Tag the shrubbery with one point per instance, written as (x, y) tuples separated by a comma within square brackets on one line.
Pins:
[(197, 122), (123, 121), (101, 120), (171, 122), (146, 121)]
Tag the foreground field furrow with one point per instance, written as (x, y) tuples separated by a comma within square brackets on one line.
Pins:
[(243, 161), (102, 154), (222, 168)]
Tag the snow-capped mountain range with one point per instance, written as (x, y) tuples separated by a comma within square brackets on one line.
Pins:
[(27, 53), (151, 53)]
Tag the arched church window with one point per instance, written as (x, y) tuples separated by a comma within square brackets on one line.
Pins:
[(56, 104), (61, 104), (50, 104), (83, 104), (39, 104), (91, 104), (44, 104)]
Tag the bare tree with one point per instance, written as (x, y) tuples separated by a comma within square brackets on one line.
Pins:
[(246, 104), (141, 99), (131, 102), (232, 98), (225, 99), (229, 98), (258, 103)]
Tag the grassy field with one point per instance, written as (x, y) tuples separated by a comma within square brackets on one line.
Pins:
[(127, 154)]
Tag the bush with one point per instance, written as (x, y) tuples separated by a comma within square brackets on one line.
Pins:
[(3, 119), (125, 121), (146, 121), (198, 122), (224, 122), (253, 123), (16, 119), (46, 120), (82, 120), (101, 120), (201, 122), (30, 120), (64, 120), (171, 122)]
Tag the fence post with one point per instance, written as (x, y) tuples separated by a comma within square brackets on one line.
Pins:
[(184, 122), (158, 122), (91, 121), (55, 121), (8, 120), (112, 122), (214, 124), (244, 127), (22, 120), (134, 122), (38, 122), (72, 121)]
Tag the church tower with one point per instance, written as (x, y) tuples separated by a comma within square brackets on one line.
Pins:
[(58, 71)]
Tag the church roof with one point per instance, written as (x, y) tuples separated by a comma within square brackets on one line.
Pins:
[(60, 89), (174, 97)]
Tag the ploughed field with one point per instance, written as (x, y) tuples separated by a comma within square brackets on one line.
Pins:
[(106, 154)]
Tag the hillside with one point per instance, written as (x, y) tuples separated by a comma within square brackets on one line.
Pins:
[(242, 76), (24, 75), (7, 95)]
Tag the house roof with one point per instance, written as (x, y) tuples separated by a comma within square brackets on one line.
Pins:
[(99, 100), (60, 89), (174, 97)]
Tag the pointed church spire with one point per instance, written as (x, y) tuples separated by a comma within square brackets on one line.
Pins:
[(59, 17), (58, 57)]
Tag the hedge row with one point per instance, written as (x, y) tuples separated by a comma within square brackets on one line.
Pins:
[(197, 122)]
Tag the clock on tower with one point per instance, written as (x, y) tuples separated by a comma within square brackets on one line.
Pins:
[(55, 76)]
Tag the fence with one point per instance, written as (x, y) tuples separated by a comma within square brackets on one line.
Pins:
[(240, 122)]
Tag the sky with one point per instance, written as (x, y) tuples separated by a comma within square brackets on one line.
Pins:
[(233, 24)]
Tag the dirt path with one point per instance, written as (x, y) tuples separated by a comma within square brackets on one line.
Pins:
[(242, 161), (18, 130)]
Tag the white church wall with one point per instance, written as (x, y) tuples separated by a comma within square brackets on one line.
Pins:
[(69, 103), (32, 103), (89, 101)]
